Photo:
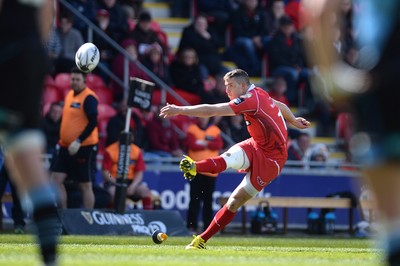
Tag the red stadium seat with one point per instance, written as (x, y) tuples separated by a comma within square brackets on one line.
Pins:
[(94, 81), (51, 94), (156, 97), (48, 80), (104, 94), (45, 108), (191, 98), (63, 80), (105, 112)]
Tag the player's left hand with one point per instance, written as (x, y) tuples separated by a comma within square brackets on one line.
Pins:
[(301, 123), (73, 148), (169, 110)]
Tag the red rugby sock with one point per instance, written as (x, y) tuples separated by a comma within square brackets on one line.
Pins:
[(221, 219), (147, 203), (212, 165)]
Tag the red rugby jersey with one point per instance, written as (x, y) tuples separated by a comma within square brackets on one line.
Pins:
[(264, 120)]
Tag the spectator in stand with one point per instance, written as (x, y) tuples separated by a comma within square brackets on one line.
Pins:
[(249, 37), (286, 58), (71, 40), (185, 73), (205, 42), (272, 16), (319, 153), (136, 188), (76, 158), (136, 5), (107, 52), (218, 14), (130, 15), (118, 68), (154, 61), (163, 139), (237, 128), (118, 22), (144, 35), (116, 125), (299, 148), (218, 94), (50, 126), (278, 90), (203, 140), (86, 8), (294, 10), (53, 47)]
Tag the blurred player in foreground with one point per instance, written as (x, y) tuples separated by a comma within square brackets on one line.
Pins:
[(370, 89), (23, 65), (262, 156)]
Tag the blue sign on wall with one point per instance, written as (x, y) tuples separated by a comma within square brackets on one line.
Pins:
[(173, 190)]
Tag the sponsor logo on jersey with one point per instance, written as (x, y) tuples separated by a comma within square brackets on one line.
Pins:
[(237, 101), (241, 98), (75, 105)]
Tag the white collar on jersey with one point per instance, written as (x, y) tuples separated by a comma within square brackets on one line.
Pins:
[(252, 86)]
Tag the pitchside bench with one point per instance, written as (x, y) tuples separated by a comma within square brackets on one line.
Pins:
[(299, 202)]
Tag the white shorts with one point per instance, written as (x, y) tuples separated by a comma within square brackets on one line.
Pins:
[(236, 158)]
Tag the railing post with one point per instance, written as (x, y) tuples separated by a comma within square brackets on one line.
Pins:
[(90, 34), (126, 77)]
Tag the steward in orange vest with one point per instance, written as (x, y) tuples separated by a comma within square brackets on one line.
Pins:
[(203, 141), (76, 158), (110, 161), (136, 189)]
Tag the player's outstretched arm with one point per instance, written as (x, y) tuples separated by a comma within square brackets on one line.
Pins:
[(200, 110), (298, 122)]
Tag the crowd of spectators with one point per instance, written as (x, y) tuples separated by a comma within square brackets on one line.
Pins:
[(250, 33), (263, 37)]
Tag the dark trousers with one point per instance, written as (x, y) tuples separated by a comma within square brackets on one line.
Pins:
[(201, 191), (16, 211)]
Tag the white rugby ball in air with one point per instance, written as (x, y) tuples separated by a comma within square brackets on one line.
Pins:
[(87, 57)]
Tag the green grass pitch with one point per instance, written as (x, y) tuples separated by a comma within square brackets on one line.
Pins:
[(221, 250)]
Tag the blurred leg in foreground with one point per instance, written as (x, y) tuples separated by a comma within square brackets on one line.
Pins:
[(23, 66), (368, 88)]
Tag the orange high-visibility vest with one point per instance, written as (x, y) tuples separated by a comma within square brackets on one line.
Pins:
[(74, 119), (201, 134), (113, 151)]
